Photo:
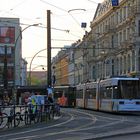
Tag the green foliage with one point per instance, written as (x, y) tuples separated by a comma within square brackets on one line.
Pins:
[(37, 81)]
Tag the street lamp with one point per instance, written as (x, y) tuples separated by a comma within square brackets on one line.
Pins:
[(20, 34), (31, 64), (16, 41)]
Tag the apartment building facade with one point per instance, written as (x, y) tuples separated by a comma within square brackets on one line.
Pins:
[(115, 31), (111, 48)]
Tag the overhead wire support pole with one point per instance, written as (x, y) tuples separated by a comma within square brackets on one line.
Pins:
[(49, 81)]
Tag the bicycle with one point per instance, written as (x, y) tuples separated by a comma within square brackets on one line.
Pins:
[(21, 114), (3, 119), (13, 118), (27, 114), (33, 114)]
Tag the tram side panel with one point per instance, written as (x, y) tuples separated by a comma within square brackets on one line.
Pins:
[(80, 99), (92, 93), (105, 101), (107, 89)]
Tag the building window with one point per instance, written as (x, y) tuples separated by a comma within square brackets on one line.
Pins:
[(128, 63), (7, 32), (112, 41), (117, 66), (93, 72), (9, 50), (121, 65), (133, 60), (139, 28), (124, 35), (112, 67), (139, 60), (93, 51), (125, 65), (128, 33)]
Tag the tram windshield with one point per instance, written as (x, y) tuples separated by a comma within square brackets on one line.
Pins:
[(129, 89)]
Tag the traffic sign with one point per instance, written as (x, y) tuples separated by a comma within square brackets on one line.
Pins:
[(115, 3)]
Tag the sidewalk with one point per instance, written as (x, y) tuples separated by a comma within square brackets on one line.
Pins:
[(23, 125)]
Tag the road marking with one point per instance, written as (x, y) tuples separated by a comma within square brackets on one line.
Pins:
[(94, 119), (27, 137)]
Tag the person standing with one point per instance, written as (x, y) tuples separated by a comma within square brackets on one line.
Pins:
[(50, 99)]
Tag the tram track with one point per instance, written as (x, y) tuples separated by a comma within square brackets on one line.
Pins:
[(74, 122)]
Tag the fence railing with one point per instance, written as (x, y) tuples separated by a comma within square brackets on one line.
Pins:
[(20, 115)]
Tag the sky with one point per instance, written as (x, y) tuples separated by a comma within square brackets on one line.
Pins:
[(65, 24)]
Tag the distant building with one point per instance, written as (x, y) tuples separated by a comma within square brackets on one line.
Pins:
[(9, 37), (60, 64)]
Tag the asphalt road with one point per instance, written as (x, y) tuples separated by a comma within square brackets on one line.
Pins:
[(126, 137), (76, 124)]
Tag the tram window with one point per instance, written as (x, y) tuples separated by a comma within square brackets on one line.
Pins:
[(109, 92), (90, 96), (129, 89), (102, 92), (87, 93), (91, 93), (106, 92), (116, 93), (94, 93), (79, 94)]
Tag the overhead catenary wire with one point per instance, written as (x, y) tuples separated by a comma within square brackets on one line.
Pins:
[(82, 48), (62, 40), (41, 25), (67, 30), (66, 11), (93, 1), (17, 5), (54, 5), (63, 30), (62, 9)]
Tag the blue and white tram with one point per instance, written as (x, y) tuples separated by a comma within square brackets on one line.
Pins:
[(113, 95), (119, 94)]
